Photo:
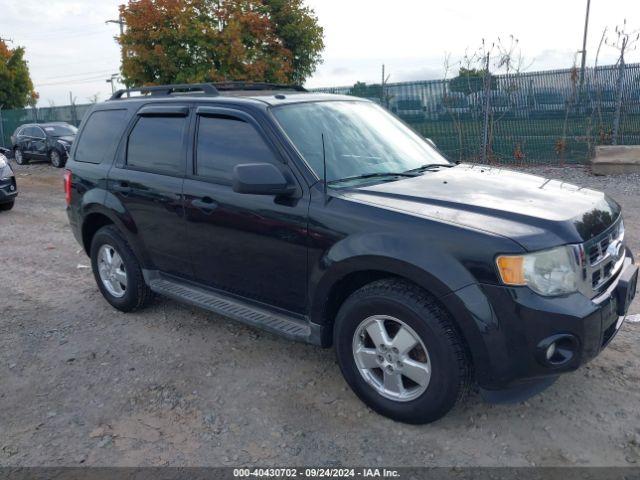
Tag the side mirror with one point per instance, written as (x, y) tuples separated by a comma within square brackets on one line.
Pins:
[(261, 179)]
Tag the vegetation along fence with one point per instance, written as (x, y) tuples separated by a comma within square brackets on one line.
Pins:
[(541, 117)]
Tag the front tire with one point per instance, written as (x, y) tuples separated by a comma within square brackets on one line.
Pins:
[(19, 157), (4, 207), (56, 159), (398, 350), (117, 271)]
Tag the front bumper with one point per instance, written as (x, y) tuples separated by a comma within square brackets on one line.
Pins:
[(8, 189), (515, 326)]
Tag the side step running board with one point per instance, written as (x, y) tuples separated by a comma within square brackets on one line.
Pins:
[(281, 324)]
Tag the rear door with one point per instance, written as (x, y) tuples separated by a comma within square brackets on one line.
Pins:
[(249, 245), (148, 181)]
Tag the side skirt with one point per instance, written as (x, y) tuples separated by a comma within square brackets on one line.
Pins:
[(297, 328)]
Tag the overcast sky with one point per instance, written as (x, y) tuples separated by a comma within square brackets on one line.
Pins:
[(70, 48)]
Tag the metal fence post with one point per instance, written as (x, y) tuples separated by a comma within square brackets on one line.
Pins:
[(487, 106), (618, 111), (1, 126)]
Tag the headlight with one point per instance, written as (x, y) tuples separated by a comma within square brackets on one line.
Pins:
[(65, 145), (3, 161), (550, 272)]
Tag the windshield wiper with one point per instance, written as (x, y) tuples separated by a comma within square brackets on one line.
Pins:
[(428, 166), (373, 175)]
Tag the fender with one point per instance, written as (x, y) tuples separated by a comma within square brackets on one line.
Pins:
[(437, 269), (99, 201), (434, 269)]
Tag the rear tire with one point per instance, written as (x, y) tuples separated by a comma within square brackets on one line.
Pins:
[(19, 157), (401, 306), (4, 207), (120, 281)]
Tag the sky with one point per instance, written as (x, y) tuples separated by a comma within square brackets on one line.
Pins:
[(70, 48)]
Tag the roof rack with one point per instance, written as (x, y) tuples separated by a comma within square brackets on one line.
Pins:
[(159, 90), (241, 85), (212, 89)]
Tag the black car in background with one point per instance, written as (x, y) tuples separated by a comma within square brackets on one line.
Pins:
[(8, 187), (43, 141)]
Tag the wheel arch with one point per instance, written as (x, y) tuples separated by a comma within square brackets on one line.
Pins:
[(97, 215), (330, 296)]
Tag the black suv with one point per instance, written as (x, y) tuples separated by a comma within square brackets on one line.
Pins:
[(425, 276), (43, 141)]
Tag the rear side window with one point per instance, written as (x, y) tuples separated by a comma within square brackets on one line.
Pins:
[(100, 136), (224, 142), (156, 144)]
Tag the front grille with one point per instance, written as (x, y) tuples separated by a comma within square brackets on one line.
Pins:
[(604, 257)]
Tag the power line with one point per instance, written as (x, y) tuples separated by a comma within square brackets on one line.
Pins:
[(80, 74)]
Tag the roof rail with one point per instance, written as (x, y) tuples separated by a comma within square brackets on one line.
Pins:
[(242, 85), (159, 90)]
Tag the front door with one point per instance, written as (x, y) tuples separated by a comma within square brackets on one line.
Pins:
[(38, 144), (148, 181), (254, 246)]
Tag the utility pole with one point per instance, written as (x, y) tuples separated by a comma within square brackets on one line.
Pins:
[(112, 80), (120, 23), (383, 98), (584, 45)]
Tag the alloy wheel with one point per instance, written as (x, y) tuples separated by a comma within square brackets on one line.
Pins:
[(391, 358), (112, 271)]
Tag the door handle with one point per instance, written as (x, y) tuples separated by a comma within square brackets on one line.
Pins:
[(206, 204), (122, 187)]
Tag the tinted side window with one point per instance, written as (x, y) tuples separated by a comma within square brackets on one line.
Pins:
[(30, 132), (100, 136), (224, 143), (157, 144)]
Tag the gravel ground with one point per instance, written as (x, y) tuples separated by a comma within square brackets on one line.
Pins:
[(81, 383)]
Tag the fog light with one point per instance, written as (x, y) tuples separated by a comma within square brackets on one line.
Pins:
[(551, 350)]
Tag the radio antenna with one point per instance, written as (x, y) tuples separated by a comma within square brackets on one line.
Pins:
[(324, 170)]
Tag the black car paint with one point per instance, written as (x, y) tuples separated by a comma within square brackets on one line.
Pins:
[(441, 230), (39, 147), (8, 185)]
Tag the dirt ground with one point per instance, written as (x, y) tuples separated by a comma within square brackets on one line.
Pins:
[(82, 384)]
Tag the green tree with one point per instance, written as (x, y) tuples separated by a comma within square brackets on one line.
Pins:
[(16, 87), (471, 80), (301, 34), (361, 89), (170, 41)]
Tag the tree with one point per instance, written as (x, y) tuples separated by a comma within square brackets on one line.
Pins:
[(361, 89), (16, 87), (471, 80), (301, 34), (185, 41)]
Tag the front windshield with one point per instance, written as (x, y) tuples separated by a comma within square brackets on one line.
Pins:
[(60, 130), (360, 139)]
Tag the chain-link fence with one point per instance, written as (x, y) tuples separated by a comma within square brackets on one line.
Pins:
[(542, 117), (12, 119)]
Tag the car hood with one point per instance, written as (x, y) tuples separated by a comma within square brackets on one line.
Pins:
[(534, 211)]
